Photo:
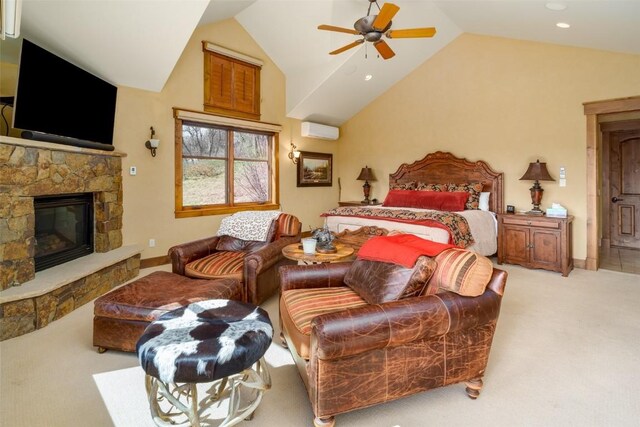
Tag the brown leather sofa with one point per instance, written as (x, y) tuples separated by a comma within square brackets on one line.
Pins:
[(374, 353), (257, 262)]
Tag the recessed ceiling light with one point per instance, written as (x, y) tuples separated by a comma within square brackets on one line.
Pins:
[(368, 77), (563, 25), (555, 6)]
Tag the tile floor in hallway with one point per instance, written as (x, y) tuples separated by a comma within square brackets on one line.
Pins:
[(620, 259)]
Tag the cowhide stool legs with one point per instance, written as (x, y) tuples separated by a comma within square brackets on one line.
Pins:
[(217, 342), (169, 403)]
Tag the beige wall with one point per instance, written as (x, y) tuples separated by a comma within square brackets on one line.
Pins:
[(505, 101), (8, 83), (149, 196)]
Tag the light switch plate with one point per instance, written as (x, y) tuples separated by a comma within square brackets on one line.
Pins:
[(133, 170)]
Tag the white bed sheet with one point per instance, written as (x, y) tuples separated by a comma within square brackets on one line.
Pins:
[(482, 224)]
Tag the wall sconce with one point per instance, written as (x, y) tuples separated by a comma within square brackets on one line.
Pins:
[(294, 154), (536, 172), (152, 144), (366, 175)]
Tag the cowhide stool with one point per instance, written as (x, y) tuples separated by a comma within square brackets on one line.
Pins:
[(219, 341)]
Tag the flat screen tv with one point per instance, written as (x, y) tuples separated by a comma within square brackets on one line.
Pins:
[(57, 101)]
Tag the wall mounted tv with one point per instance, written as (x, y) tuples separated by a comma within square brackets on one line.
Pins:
[(59, 102)]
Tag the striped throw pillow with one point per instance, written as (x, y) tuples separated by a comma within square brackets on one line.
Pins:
[(217, 265), (288, 225), (461, 271)]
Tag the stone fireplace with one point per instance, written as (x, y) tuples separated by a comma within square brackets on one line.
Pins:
[(30, 170), (63, 228)]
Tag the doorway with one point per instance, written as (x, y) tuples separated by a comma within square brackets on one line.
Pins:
[(613, 184), (620, 243)]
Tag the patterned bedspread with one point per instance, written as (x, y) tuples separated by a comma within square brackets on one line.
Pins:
[(455, 224)]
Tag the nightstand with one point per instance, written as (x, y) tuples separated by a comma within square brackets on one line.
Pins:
[(536, 242), (358, 203)]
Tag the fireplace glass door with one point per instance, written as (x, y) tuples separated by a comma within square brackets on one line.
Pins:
[(63, 228)]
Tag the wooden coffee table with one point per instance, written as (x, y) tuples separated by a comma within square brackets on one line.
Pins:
[(294, 252)]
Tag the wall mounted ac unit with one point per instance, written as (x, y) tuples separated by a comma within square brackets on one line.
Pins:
[(10, 13), (316, 130)]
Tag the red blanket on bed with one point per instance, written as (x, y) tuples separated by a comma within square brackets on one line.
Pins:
[(403, 249)]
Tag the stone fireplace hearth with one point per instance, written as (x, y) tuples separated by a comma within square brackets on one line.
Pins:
[(31, 169)]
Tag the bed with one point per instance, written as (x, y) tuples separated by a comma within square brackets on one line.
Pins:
[(476, 230)]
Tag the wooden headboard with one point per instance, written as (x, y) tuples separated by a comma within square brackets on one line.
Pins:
[(441, 168)]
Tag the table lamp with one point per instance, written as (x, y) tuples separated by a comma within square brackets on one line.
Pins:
[(366, 175), (536, 172)]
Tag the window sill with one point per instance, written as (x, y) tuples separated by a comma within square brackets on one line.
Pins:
[(195, 212)]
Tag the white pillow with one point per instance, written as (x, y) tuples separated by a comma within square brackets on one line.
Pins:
[(483, 204)]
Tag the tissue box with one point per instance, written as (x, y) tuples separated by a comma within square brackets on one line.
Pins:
[(557, 212)]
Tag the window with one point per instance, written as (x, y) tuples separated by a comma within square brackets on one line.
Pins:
[(222, 169)]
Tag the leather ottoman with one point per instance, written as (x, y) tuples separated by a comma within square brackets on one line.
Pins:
[(121, 316)]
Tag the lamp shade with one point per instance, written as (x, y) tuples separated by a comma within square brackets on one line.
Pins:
[(366, 174), (537, 172)]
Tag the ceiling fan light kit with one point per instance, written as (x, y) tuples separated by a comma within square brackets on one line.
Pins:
[(373, 27)]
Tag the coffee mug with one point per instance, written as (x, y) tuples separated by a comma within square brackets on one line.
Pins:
[(309, 246)]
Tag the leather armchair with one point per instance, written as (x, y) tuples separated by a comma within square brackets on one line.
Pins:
[(259, 260), (372, 354)]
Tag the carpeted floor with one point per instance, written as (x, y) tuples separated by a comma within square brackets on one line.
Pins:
[(566, 353)]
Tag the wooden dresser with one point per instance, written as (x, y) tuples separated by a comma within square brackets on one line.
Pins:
[(536, 242)]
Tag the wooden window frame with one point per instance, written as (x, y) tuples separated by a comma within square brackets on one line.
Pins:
[(183, 117)]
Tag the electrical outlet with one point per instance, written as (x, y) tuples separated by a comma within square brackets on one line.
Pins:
[(133, 170), (152, 243)]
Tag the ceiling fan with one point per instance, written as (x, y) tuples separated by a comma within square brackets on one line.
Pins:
[(372, 27)]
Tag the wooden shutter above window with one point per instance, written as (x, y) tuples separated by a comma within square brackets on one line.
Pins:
[(231, 83)]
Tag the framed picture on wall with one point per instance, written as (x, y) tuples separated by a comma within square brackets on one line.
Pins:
[(315, 169)]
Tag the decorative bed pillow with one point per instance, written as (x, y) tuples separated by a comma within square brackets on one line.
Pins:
[(483, 202), (432, 187), (461, 271), (474, 189), (379, 282), (442, 201), (411, 185)]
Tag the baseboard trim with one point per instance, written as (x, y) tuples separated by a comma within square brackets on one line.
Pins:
[(154, 262), (580, 263)]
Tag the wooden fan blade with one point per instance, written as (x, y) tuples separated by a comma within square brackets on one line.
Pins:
[(347, 47), (338, 29), (411, 33), (385, 16), (383, 49)]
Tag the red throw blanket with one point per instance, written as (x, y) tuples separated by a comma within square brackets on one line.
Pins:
[(455, 224), (403, 249)]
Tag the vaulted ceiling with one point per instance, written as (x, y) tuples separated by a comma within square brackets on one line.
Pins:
[(137, 43)]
